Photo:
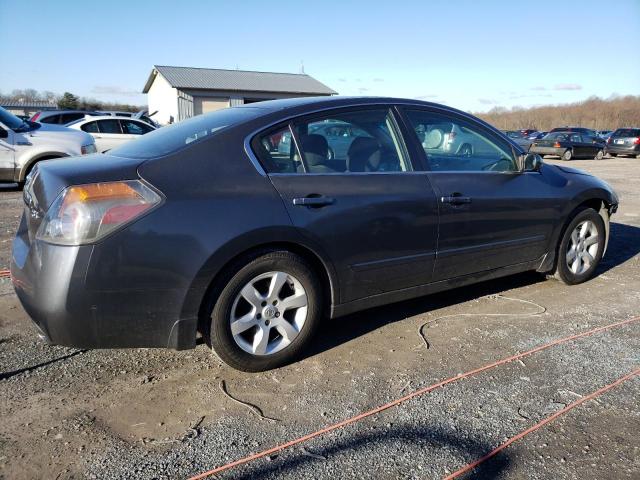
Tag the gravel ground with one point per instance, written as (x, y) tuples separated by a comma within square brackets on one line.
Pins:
[(147, 413)]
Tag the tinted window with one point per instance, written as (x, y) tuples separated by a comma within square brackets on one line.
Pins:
[(355, 141), (91, 127), (70, 117), (109, 126), (453, 144), (627, 132), (134, 128), (277, 151), (169, 139), (575, 138), (50, 119)]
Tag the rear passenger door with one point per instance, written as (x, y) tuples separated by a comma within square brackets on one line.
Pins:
[(109, 135), (367, 209), (492, 215)]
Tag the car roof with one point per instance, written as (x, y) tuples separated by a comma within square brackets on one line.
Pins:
[(93, 118)]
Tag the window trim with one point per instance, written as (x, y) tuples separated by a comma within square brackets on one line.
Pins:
[(396, 131), (455, 116)]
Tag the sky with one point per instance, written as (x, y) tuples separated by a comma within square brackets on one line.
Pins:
[(472, 55)]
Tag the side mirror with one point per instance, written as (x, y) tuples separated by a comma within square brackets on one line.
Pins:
[(532, 162)]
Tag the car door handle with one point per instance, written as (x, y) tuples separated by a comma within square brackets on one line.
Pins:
[(455, 199), (313, 201)]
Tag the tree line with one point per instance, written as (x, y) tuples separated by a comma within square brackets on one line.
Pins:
[(66, 101), (595, 113)]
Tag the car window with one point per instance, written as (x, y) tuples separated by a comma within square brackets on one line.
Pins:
[(626, 132), (109, 126), (453, 144), (91, 127), (575, 138), (349, 141), (70, 117), (134, 128), (50, 119)]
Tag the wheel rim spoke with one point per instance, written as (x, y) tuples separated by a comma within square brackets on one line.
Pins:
[(277, 281), (243, 324), (584, 229), (571, 255), (592, 240), (261, 340), (287, 330), (294, 301), (251, 295)]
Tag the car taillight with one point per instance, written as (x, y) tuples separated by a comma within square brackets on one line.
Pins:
[(608, 140), (86, 213), (35, 117), (556, 145), (636, 141)]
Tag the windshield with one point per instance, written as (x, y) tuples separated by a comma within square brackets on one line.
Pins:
[(11, 121), (169, 139)]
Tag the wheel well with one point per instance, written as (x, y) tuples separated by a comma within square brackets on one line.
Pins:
[(310, 256), (31, 164)]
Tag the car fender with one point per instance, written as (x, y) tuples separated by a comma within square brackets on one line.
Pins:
[(283, 236), (26, 160)]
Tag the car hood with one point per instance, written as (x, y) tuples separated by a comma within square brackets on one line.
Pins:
[(55, 133)]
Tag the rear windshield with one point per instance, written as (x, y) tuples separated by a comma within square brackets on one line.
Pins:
[(627, 132), (558, 136), (169, 139)]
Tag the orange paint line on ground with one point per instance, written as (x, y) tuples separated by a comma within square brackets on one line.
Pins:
[(416, 393), (541, 424)]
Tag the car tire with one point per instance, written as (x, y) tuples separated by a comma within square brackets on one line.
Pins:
[(599, 155), (265, 314), (613, 155), (581, 247), (567, 155)]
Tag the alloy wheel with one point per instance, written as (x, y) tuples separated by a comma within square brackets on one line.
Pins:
[(583, 247), (268, 313)]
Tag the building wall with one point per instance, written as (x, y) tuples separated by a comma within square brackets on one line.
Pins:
[(163, 98)]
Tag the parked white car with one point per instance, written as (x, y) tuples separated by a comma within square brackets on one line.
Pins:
[(23, 144), (111, 132)]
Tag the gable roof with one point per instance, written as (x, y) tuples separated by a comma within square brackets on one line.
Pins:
[(238, 80)]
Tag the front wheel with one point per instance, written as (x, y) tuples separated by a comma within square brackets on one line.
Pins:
[(267, 312), (567, 155), (581, 247)]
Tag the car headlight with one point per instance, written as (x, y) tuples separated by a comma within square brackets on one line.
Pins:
[(87, 149), (86, 213)]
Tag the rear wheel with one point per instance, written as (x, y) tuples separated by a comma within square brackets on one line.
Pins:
[(613, 155), (267, 311), (599, 155), (581, 247), (567, 155)]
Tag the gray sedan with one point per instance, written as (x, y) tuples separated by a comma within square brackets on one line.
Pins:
[(204, 227)]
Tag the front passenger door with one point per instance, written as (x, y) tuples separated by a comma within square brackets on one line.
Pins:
[(490, 212)]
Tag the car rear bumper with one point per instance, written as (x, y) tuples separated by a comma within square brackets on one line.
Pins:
[(547, 150), (54, 285), (624, 150)]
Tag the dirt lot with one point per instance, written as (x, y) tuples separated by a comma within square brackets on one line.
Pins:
[(162, 414)]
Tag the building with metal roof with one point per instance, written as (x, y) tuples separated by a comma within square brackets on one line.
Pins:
[(25, 107), (177, 93)]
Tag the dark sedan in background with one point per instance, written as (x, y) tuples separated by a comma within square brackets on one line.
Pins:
[(205, 226), (624, 141), (568, 145)]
